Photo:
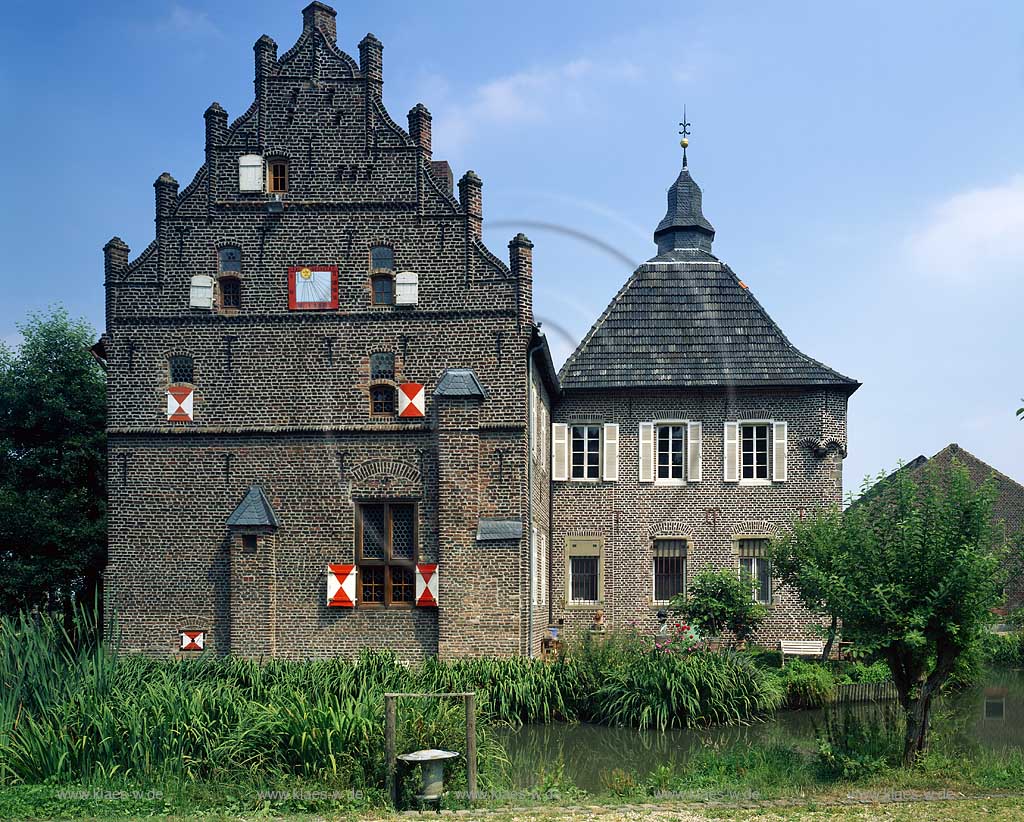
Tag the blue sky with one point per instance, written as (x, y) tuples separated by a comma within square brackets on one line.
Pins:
[(861, 162)]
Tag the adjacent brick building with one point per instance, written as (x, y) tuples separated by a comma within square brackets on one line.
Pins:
[(333, 422)]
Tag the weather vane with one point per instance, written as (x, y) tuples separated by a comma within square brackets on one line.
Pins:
[(684, 130)]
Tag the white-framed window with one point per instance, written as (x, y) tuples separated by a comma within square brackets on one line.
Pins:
[(668, 568), (585, 449), (754, 563), (754, 445), (671, 444)]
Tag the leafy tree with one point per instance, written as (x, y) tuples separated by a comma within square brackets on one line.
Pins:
[(721, 600), (809, 565), (52, 465), (912, 576)]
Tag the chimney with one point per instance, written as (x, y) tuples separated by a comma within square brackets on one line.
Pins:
[(115, 258), (319, 15), (520, 261), (371, 63), (166, 193), (266, 57), (216, 126), (472, 199), (419, 128)]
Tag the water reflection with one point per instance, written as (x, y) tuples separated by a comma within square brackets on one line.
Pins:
[(988, 714)]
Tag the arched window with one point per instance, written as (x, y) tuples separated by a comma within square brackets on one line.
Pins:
[(382, 401), (383, 289), (277, 176), (229, 264), (382, 258), (180, 368)]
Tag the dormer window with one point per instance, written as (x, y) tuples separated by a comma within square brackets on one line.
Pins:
[(277, 176), (383, 289)]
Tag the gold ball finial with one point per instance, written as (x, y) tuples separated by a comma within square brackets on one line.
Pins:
[(684, 142)]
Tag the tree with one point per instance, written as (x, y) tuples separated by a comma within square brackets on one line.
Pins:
[(913, 573), (718, 601), (808, 565), (52, 466)]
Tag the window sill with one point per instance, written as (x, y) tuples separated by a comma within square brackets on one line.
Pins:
[(583, 606), (748, 483), (670, 483)]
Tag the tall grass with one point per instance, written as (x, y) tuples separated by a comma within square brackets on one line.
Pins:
[(87, 713)]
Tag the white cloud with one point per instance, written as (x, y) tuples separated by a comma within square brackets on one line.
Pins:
[(528, 97), (188, 22), (973, 235)]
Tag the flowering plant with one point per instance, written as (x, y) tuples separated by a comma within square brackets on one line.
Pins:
[(678, 638)]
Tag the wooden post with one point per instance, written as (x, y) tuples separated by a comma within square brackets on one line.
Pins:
[(471, 746), (389, 747)]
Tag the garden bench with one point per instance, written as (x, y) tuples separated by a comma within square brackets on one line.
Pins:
[(802, 647)]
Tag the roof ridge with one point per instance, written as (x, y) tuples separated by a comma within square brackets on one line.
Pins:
[(956, 449)]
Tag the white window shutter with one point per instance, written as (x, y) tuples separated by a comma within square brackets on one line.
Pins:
[(559, 451), (535, 567), (250, 172), (731, 471), (533, 418), (201, 293), (611, 451), (646, 452), (694, 451), (780, 454), (407, 288)]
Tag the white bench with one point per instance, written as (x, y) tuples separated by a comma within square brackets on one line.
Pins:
[(802, 647)]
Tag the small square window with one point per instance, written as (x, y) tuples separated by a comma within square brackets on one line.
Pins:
[(180, 368), (249, 543), (382, 400)]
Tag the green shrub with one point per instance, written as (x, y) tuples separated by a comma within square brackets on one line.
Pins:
[(807, 684), (1003, 650), (719, 601), (859, 672)]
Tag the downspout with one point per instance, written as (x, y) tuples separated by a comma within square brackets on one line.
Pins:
[(529, 494)]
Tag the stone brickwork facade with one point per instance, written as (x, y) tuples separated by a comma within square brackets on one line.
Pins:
[(282, 397), (257, 436)]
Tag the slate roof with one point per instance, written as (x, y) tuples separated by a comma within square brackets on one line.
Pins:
[(685, 320), (460, 382), (254, 510), (494, 529)]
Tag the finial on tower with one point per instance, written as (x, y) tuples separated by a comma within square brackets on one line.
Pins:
[(684, 130)]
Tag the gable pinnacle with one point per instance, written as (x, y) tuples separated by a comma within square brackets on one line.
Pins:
[(684, 130)]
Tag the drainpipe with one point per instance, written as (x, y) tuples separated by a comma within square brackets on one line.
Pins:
[(529, 494)]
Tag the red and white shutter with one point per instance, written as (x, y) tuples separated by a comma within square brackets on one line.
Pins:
[(410, 400), (341, 586), (426, 586), (193, 640), (179, 404)]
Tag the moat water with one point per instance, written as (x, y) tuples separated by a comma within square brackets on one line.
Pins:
[(990, 714)]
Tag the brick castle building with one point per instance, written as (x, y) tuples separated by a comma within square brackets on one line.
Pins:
[(333, 422)]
